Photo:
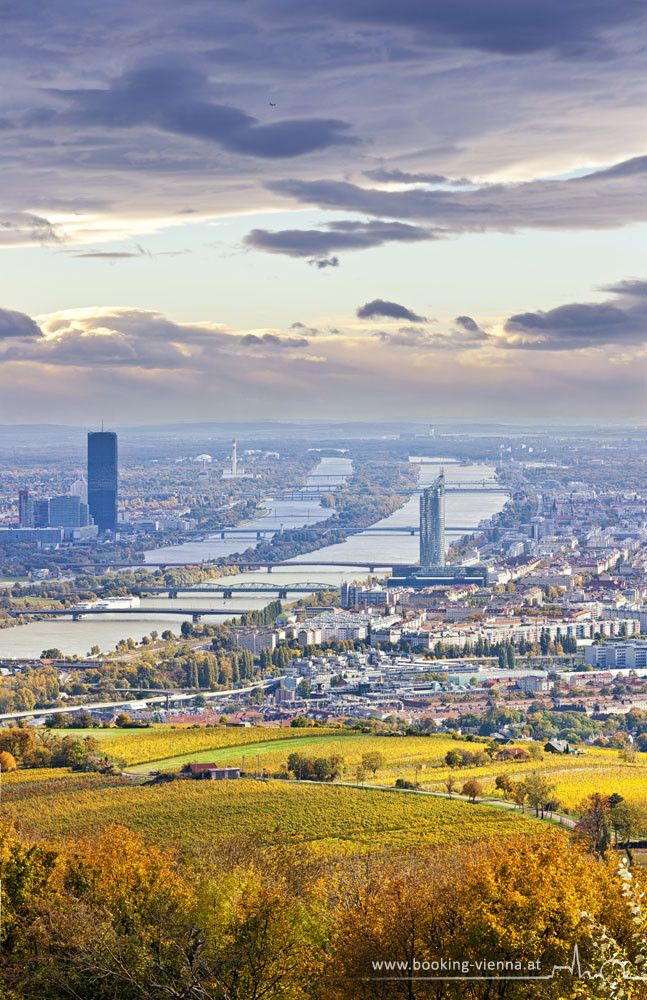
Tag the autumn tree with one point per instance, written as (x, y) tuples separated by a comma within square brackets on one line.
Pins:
[(450, 783), (538, 790), (504, 783), (593, 826), (372, 761), (629, 823), (472, 789)]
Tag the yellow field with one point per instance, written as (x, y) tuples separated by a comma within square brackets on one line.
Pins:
[(140, 746), (191, 814), (628, 780)]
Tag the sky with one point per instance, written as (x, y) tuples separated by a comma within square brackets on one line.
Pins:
[(362, 209)]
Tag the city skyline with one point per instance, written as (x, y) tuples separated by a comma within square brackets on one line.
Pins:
[(272, 210)]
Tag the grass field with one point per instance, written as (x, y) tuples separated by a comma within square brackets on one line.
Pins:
[(190, 814)]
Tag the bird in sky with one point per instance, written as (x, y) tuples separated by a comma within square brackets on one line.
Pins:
[(272, 105)]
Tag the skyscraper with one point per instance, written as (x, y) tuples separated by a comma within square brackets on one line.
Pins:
[(432, 524), (25, 509), (102, 479)]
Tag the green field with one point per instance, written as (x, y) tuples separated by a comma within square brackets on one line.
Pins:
[(191, 814)]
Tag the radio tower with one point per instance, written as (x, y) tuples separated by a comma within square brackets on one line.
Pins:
[(233, 457)]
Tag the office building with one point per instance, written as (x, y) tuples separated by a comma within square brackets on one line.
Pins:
[(68, 512), (43, 536), (25, 509), (103, 479), (432, 524), (40, 515)]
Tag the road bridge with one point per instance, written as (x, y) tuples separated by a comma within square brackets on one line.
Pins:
[(247, 564), (263, 532), (281, 590), (77, 614)]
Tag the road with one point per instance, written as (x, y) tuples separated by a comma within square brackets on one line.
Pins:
[(98, 706)]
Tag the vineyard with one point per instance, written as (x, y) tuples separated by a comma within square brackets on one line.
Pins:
[(191, 814), (47, 783), (146, 745), (416, 759)]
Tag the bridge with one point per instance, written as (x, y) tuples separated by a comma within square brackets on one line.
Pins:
[(488, 486), (246, 565), (228, 590), (262, 532), (77, 614)]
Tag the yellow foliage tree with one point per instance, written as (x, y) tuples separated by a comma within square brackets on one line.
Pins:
[(7, 761)]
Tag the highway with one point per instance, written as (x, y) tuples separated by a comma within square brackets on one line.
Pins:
[(155, 699)]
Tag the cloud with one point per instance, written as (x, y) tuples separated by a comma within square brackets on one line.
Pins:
[(303, 330), (107, 255), (177, 99), (395, 176), (18, 228), (15, 325), (467, 323), (391, 310), (619, 321), (139, 365), (344, 234), (322, 262), (575, 30), (272, 340), (406, 337), (601, 199)]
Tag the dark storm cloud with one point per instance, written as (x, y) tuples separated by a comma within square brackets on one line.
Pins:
[(574, 29), (340, 235), (616, 322), (16, 325), (604, 198), (178, 100), (382, 175), (390, 310)]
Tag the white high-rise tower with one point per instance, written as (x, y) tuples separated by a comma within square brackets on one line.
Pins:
[(233, 458), (79, 488)]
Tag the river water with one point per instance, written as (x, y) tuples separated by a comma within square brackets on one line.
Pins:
[(464, 510)]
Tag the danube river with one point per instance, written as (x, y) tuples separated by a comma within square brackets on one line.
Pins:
[(464, 510)]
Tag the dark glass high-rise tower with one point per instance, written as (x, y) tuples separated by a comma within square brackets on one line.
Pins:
[(102, 479), (432, 524)]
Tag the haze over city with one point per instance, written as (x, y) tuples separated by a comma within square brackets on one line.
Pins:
[(349, 211)]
